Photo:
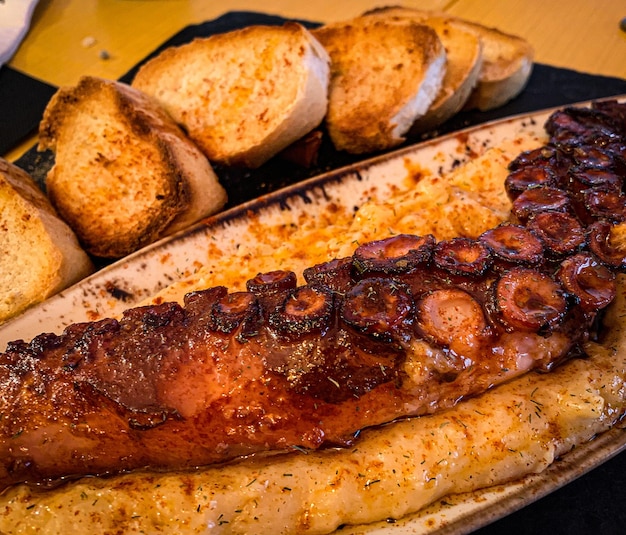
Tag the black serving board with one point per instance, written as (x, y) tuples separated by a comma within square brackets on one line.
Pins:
[(22, 101)]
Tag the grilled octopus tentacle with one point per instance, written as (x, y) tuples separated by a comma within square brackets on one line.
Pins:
[(405, 326)]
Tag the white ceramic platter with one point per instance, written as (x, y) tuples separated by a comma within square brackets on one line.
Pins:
[(135, 278)]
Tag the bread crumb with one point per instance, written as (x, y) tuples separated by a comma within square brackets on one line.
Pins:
[(88, 41)]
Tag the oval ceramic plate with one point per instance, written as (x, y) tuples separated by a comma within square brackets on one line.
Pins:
[(141, 275)]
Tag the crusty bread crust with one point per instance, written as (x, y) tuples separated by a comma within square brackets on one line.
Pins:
[(503, 52), (507, 65), (464, 55), (245, 95), (40, 253), (124, 172), (384, 75), (464, 62), (506, 59)]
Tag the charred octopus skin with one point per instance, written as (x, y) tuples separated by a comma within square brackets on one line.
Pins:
[(405, 326)]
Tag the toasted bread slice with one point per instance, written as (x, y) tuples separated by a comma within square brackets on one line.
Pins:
[(124, 174), (464, 55), (384, 75), (40, 254), (507, 65), (506, 59), (245, 95), (464, 61)]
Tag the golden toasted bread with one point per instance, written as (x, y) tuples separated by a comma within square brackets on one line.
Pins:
[(384, 75), (507, 65), (245, 95), (464, 60), (124, 173), (464, 53), (506, 59), (40, 253)]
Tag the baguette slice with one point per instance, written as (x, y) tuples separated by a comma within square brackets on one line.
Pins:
[(40, 254), (384, 75), (125, 175), (506, 59), (245, 95), (507, 66), (464, 61)]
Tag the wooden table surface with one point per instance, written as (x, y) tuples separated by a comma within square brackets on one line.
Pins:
[(68, 38)]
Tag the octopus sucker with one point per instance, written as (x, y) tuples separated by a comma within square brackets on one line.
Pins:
[(520, 180), (462, 256), (455, 320), (538, 200), (561, 233), (303, 310), (591, 282), (603, 204), (529, 300), (397, 254), (513, 244), (600, 240), (405, 326)]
